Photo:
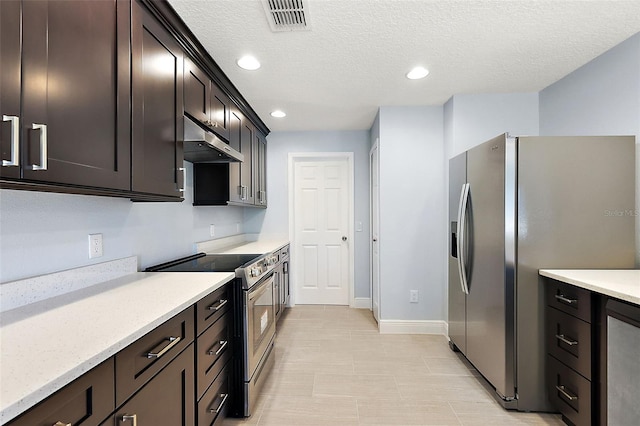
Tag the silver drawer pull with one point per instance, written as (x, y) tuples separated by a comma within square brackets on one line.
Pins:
[(217, 307), (224, 397), (44, 156), (133, 418), (223, 344), (172, 342), (566, 340), (62, 424), (563, 390), (15, 141), (566, 300)]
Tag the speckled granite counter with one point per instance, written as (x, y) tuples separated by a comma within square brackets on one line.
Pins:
[(623, 284), (47, 344), (241, 245)]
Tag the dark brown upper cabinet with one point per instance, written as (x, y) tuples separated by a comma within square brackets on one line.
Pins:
[(205, 101), (157, 107), (72, 71), (260, 169), (241, 175)]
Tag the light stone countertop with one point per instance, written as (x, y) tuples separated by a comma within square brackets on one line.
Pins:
[(48, 344), (623, 284), (241, 245)]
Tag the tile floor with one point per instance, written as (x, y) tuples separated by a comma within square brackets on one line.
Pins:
[(334, 368)]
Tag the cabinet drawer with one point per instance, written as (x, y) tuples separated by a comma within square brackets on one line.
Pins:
[(140, 361), (166, 400), (212, 307), (85, 401), (569, 340), (569, 392), (213, 351), (213, 406), (570, 299)]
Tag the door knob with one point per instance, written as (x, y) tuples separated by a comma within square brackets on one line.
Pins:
[(375, 240), (344, 238)]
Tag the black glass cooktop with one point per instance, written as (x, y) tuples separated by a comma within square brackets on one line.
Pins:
[(202, 262)]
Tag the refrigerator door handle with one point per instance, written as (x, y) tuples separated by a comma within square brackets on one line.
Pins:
[(462, 215)]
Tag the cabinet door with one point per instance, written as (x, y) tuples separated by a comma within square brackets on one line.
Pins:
[(260, 169), (157, 127), (168, 399), (197, 92), (247, 145), (86, 401), (10, 87), (219, 112), (75, 93), (235, 131)]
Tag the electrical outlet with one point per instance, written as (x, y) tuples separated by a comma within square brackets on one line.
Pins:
[(238, 227), (212, 230), (95, 245), (413, 296)]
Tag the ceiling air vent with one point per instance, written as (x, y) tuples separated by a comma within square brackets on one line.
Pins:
[(287, 15)]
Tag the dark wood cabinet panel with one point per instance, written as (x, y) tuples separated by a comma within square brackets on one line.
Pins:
[(260, 169), (210, 308), (168, 399), (234, 170), (86, 401), (10, 77), (75, 90), (157, 102), (197, 92), (214, 405), (219, 116), (140, 361), (213, 351), (247, 147)]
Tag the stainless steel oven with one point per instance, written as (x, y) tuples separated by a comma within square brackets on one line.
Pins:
[(254, 318)]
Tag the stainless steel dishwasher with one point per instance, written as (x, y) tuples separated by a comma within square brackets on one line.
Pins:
[(623, 363)]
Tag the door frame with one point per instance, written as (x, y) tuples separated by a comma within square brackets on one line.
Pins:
[(376, 145), (293, 159)]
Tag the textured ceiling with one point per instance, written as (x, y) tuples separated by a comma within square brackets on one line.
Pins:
[(357, 52)]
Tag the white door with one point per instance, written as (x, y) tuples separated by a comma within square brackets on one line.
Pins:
[(375, 229), (321, 223)]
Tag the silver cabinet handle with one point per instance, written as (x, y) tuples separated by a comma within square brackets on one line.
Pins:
[(217, 307), (172, 342), (15, 140), (223, 344), (43, 147), (62, 424), (566, 300), (133, 418), (564, 391), (224, 397), (184, 178), (564, 339)]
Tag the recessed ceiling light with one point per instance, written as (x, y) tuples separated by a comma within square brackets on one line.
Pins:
[(278, 114), (248, 62), (417, 73)]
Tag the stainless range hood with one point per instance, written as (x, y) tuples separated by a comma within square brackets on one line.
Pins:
[(202, 146)]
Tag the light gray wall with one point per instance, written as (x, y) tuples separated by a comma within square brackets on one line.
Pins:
[(45, 232), (274, 221), (599, 98), (411, 212)]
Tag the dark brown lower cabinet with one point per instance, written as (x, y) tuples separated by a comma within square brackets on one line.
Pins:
[(214, 404), (168, 399), (86, 401)]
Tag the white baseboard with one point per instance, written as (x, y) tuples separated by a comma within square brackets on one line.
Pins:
[(413, 327), (362, 303)]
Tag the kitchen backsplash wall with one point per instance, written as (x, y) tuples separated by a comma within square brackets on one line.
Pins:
[(45, 232)]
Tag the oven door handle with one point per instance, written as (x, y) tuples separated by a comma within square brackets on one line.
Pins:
[(258, 290)]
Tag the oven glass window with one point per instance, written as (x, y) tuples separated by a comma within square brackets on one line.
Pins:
[(263, 313)]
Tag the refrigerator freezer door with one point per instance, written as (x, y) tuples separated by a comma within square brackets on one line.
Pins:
[(490, 304), (457, 299)]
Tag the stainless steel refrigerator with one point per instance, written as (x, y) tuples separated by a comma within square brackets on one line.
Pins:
[(517, 205)]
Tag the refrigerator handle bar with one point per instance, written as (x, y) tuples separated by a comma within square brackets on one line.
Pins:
[(462, 215)]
